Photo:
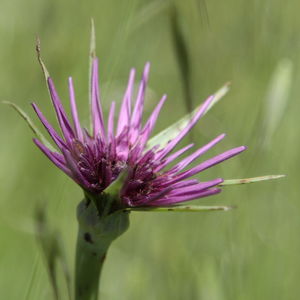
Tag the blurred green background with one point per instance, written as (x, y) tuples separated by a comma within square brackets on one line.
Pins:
[(194, 47)]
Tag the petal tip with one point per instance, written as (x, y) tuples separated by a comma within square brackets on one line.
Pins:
[(219, 180)]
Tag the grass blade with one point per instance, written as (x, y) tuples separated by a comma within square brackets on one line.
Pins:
[(52, 249), (277, 99), (182, 54)]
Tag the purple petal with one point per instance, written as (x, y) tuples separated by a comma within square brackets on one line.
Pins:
[(96, 109), (74, 112), (173, 157), (151, 122), (185, 183), (179, 199), (188, 160), (172, 144), (148, 199), (209, 163), (136, 119), (60, 113), (125, 111), (54, 135), (196, 188), (57, 160), (110, 125), (122, 146), (72, 165), (135, 153)]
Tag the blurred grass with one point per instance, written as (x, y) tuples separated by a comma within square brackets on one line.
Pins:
[(248, 253)]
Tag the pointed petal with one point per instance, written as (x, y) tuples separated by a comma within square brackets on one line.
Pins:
[(136, 119), (196, 188), (54, 135), (188, 160), (96, 109), (171, 145), (78, 130), (185, 183), (170, 132), (53, 157), (60, 113), (125, 111), (172, 157), (183, 198), (209, 163), (148, 200), (147, 130), (76, 174), (139, 104), (110, 125)]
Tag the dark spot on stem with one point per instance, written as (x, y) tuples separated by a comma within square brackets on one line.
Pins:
[(88, 238), (103, 258)]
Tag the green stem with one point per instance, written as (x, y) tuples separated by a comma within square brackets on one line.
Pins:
[(89, 262), (95, 235)]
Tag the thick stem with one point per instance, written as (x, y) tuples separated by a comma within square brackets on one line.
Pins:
[(95, 235), (89, 262)]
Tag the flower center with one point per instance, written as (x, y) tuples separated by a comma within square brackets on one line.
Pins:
[(97, 164)]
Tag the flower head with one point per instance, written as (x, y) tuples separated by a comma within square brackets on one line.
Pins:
[(96, 159)]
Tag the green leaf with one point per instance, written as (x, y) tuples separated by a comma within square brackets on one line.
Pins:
[(250, 180), (183, 208), (30, 123), (171, 132)]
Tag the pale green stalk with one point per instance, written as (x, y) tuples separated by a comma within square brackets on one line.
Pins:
[(250, 180)]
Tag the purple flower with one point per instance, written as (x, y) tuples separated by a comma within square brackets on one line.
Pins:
[(95, 160)]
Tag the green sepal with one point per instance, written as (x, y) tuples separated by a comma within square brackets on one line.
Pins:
[(250, 180), (115, 187), (108, 227), (180, 208), (109, 200), (39, 57), (172, 131), (92, 56), (31, 125)]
